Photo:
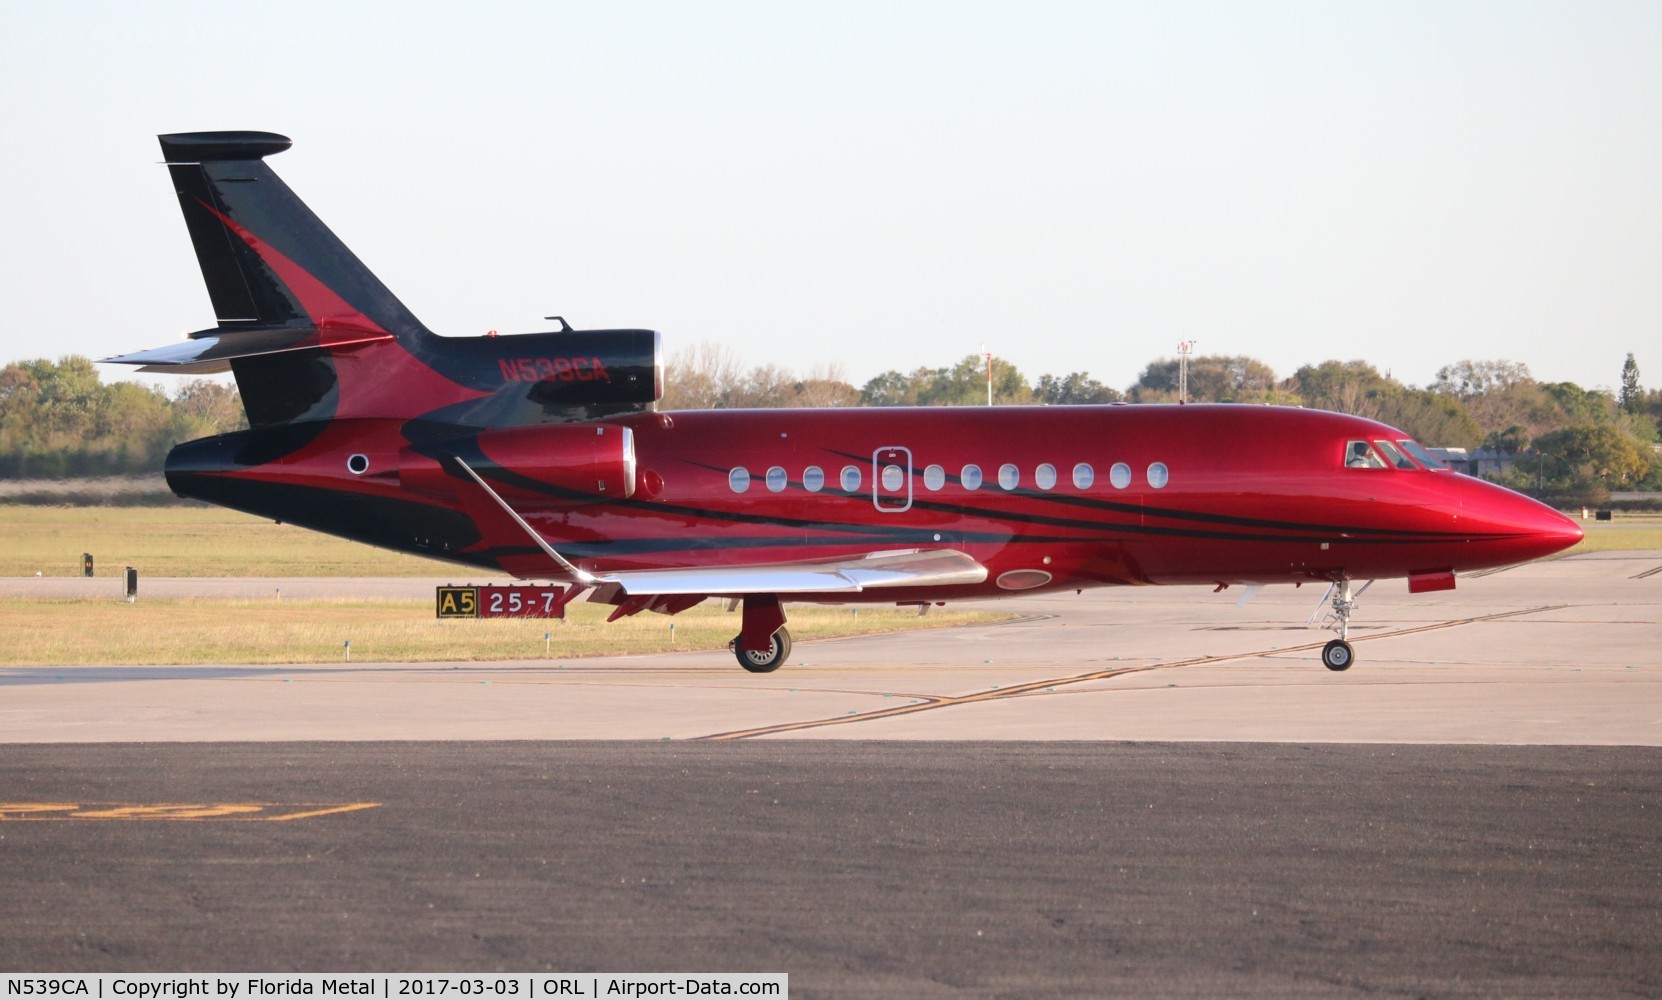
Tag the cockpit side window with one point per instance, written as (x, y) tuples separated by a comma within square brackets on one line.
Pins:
[(1359, 456), (1422, 456), (1394, 456)]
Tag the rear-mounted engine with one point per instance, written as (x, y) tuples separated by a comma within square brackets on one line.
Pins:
[(564, 465)]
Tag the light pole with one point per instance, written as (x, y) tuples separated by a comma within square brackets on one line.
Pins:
[(1184, 349)]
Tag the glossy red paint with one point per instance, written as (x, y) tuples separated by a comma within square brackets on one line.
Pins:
[(1252, 495), (505, 453)]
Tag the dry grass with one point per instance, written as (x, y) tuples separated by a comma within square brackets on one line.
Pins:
[(48, 632), (1623, 533), (185, 541)]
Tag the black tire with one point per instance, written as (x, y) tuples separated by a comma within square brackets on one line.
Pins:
[(768, 662), (1337, 655)]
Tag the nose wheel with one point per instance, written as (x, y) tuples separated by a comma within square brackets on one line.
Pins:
[(1338, 654)]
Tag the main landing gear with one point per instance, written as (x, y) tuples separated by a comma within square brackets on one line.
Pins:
[(1337, 654), (768, 661), (763, 642)]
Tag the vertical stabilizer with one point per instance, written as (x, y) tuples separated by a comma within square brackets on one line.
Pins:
[(268, 261)]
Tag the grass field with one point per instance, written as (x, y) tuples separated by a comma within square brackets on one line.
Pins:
[(209, 542), (185, 541), (1629, 532)]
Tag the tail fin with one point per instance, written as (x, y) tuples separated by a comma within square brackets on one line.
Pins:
[(291, 299), (311, 335), (267, 260)]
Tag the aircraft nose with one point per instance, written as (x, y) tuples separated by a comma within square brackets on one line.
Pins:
[(1518, 527)]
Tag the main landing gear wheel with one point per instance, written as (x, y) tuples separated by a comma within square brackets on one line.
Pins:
[(768, 662), (1337, 655)]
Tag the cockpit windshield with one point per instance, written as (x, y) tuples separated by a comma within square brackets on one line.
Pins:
[(1422, 456), (1394, 456)]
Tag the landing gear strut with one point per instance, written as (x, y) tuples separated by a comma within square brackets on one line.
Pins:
[(1337, 654), (768, 661)]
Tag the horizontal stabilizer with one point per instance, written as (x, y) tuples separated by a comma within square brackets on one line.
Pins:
[(209, 352)]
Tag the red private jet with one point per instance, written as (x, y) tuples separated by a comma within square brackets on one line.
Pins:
[(542, 455)]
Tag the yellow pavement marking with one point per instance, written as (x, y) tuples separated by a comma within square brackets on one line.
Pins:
[(273, 812), (935, 703)]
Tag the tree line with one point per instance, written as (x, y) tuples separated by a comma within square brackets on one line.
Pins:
[(59, 421), (1566, 443)]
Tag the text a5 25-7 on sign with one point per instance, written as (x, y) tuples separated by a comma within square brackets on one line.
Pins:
[(500, 602)]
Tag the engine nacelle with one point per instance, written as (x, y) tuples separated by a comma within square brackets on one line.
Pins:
[(561, 465), (550, 378)]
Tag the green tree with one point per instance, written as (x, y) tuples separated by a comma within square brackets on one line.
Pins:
[(893, 388), (58, 419), (1213, 378), (1632, 397), (1429, 417), (1467, 378), (962, 384), (1073, 389), (1586, 461), (1581, 406), (1341, 386)]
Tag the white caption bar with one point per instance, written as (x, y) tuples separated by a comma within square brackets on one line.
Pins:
[(393, 986)]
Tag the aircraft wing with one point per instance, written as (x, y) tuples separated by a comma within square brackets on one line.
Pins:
[(845, 575), (895, 568)]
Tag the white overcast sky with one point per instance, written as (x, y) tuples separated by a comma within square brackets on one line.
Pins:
[(886, 185)]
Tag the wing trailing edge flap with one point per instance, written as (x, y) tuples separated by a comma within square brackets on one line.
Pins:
[(847, 575), (871, 570)]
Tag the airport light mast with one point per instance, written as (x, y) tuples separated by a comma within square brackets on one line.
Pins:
[(1184, 349), (989, 356)]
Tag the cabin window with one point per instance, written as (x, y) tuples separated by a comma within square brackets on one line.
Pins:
[(1422, 456), (893, 478), (1083, 476), (970, 477), (1009, 476), (1045, 476), (1158, 476), (934, 478), (813, 479), (1359, 456), (1120, 475), (1392, 455), (851, 478), (739, 479), (777, 479)]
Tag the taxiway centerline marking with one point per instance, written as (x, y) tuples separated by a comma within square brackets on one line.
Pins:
[(1016, 690)]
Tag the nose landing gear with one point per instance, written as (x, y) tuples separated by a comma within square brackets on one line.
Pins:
[(1337, 654)]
